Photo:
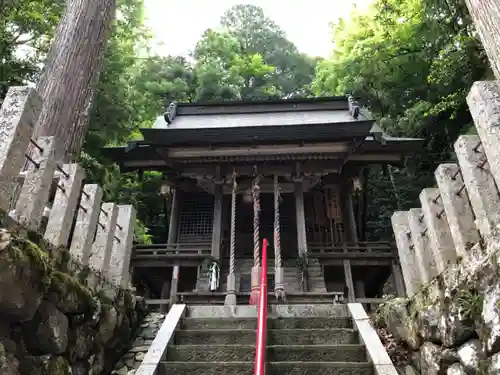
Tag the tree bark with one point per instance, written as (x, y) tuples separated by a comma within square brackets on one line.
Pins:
[(72, 70), (486, 17)]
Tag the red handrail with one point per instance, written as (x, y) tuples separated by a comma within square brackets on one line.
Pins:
[(261, 344)]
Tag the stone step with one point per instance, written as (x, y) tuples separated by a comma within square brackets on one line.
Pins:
[(274, 337), (326, 310), (273, 368), (272, 323), (278, 353)]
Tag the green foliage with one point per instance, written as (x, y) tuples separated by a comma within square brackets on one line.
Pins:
[(26, 28), (247, 58), (412, 62), (470, 303)]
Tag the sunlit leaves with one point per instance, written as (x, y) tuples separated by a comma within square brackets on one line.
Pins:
[(412, 62)]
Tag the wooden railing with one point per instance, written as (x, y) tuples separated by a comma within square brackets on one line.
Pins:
[(358, 249), (162, 250)]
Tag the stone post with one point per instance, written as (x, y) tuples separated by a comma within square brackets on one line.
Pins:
[(18, 116), (479, 182), (119, 263), (484, 106), (103, 243), (37, 184), (86, 223), (423, 252), (406, 251), (486, 17), (438, 229), (456, 202), (64, 206)]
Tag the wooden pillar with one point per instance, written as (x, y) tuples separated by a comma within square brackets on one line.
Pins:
[(349, 282), (173, 232), (350, 235), (360, 289), (173, 227), (165, 291), (217, 222), (301, 221), (397, 275)]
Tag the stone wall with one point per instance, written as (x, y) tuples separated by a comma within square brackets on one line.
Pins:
[(66, 306), (449, 251), (57, 317)]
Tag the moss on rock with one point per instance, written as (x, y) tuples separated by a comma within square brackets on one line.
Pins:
[(69, 295), (58, 366), (21, 249)]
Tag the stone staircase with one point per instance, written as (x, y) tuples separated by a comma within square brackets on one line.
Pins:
[(134, 356), (291, 275), (301, 340)]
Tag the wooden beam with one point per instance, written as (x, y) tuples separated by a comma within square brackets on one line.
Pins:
[(196, 152)]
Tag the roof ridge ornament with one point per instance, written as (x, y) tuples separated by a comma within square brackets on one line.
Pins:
[(171, 112), (354, 107)]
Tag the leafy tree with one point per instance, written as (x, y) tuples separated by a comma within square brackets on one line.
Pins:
[(223, 71), (258, 34), (115, 116), (26, 29), (412, 63)]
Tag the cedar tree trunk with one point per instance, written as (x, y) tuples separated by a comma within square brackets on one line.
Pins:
[(486, 17), (71, 73)]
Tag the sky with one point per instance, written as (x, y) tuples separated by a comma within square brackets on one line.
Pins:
[(177, 25)]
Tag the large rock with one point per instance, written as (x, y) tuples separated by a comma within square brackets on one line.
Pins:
[(494, 364), (97, 363), (107, 325), (81, 343), (45, 365), (47, 333), (456, 369), (434, 360), (69, 295), (455, 327), (428, 322), (24, 273), (9, 365), (399, 323), (409, 370), (80, 368), (470, 355), (489, 331)]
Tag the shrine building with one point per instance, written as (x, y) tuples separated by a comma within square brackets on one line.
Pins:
[(292, 171)]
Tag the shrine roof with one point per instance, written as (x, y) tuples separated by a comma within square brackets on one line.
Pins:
[(313, 119), (271, 122), (142, 150)]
